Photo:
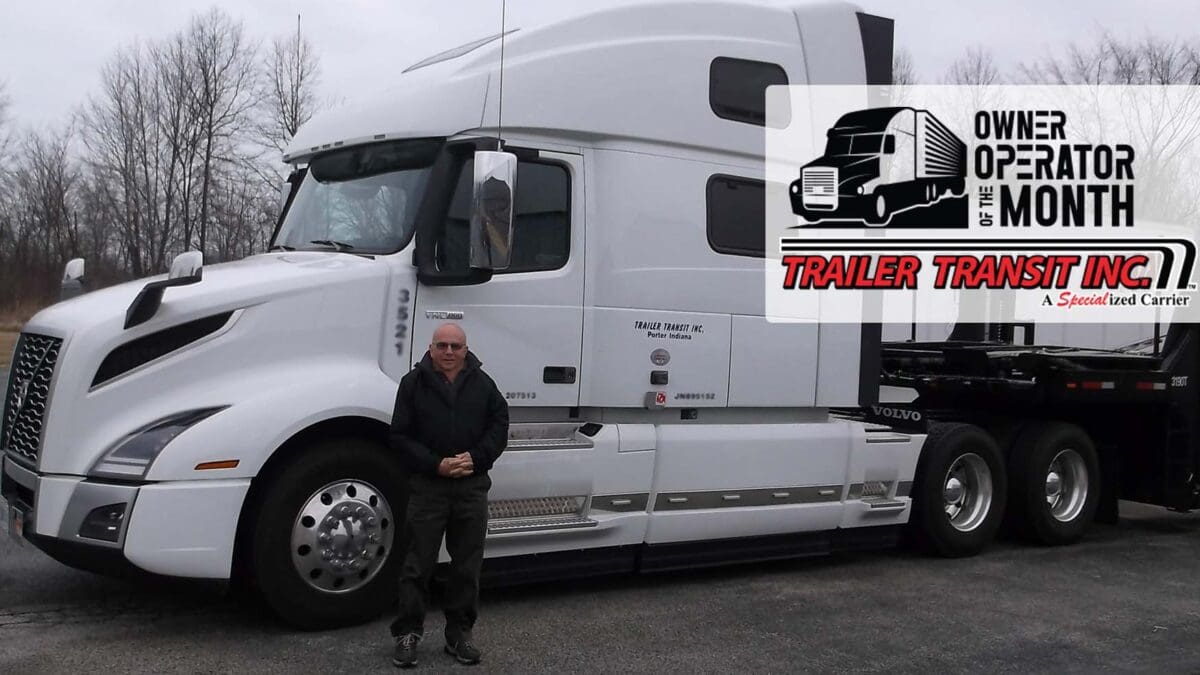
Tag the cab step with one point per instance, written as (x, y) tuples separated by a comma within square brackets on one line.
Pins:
[(539, 524)]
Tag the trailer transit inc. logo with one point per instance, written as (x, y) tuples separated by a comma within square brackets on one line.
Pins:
[(983, 204)]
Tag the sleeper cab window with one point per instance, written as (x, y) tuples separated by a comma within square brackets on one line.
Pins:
[(541, 226), (737, 90), (737, 215)]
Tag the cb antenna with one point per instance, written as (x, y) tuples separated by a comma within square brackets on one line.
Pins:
[(500, 112)]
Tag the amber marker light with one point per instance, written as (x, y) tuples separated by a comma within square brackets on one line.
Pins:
[(223, 464)]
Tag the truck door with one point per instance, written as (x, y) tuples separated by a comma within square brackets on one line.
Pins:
[(526, 322)]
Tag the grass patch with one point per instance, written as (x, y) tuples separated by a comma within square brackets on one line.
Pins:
[(8, 342), (14, 316)]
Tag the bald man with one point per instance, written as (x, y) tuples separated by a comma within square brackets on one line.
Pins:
[(450, 424)]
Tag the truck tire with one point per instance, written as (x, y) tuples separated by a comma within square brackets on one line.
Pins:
[(327, 535), (1055, 483), (959, 491), (879, 210)]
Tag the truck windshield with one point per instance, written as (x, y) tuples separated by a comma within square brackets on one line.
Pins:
[(854, 144), (363, 199)]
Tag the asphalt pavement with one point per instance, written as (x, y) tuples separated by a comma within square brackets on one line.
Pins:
[(1125, 599)]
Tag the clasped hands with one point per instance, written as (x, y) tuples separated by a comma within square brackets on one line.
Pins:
[(458, 466)]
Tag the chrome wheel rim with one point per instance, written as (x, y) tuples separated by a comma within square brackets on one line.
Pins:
[(880, 206), (967, 492), (1066, 485), (342, 536)]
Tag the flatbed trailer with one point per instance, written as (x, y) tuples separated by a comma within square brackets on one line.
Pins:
[(1077, 429)]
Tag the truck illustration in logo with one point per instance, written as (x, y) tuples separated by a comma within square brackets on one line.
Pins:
[(879, 162)]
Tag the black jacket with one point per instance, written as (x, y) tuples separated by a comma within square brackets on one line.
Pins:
[(434, 419)]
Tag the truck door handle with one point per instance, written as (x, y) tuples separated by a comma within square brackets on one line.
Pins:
[(558, 375)]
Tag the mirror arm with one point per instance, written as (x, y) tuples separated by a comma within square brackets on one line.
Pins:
[(149, 299), (186, 269)]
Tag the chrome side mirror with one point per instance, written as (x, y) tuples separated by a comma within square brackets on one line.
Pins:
[(72, 281), (187, 266), (492, 209)]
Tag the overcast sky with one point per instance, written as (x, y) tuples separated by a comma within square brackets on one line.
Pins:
[(51, 50)]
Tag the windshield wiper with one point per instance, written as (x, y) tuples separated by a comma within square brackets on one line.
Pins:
[(336, 245), (281, 247)]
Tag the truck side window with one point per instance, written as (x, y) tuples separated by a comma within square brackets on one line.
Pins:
[(737, 90), (737, 215), (541, 227)]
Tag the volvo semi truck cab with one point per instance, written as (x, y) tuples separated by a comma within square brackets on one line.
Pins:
[(230, 421)]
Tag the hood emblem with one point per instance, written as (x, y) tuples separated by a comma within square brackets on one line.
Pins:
[(22, 388), (22, 391)]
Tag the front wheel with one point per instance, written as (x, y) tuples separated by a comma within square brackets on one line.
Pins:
[(327, 534), (879, 210), (960, 490)]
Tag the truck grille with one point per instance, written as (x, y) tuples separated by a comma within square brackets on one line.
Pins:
[(28, 394), (820, 187)]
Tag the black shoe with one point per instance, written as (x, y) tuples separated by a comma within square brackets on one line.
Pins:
[(464, 650), (405, 655)]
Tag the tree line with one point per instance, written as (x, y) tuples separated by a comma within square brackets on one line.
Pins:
[(178, 149), (1165, 126)]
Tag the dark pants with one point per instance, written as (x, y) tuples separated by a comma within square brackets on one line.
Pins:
[(457, 508)]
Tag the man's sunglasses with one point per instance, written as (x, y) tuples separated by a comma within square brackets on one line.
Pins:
[(452, 346)]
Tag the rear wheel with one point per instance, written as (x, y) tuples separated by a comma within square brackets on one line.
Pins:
[(325, 543), (1055, 485), (960, 490)]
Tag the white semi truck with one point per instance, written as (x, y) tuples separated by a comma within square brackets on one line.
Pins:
[(230, 421)]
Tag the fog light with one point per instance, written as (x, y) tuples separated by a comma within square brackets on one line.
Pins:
[(103, 523)]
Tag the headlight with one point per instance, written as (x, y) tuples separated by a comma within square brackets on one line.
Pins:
[(860, 189), (131, 456)]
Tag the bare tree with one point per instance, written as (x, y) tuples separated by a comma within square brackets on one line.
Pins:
[(289, 95), (1111, 60), (903, 72), (161, 157), (5, 122), (976, 67), (224, 96), (46, 233), (1165, 122), (179, 125), (120, 132)]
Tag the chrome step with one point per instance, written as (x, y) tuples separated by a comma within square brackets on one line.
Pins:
[(548, 444), (511, 525), (876, 437), (885, 504), (535, 507), (547, 436)]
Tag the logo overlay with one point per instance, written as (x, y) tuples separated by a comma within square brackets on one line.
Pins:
[(936, 204)]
